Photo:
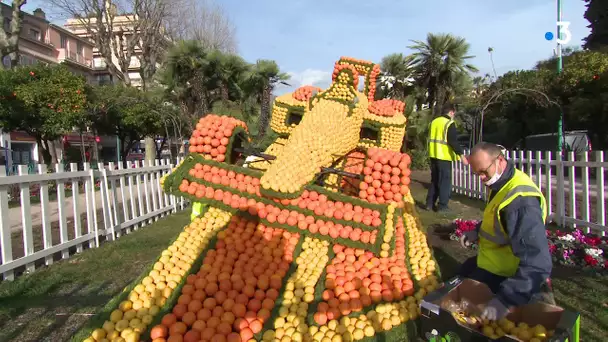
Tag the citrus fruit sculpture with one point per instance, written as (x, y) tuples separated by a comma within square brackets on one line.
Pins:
[(314, 239)]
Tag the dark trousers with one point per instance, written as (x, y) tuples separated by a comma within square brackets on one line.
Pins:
[(441, 184), (469, 269)]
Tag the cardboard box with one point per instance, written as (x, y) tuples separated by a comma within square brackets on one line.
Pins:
[(438, 324)]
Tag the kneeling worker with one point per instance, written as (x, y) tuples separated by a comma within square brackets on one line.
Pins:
[(513, 257)]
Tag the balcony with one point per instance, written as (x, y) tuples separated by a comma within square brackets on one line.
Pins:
[(74, 58)]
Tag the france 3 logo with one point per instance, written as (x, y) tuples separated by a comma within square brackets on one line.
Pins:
[(564, 29)]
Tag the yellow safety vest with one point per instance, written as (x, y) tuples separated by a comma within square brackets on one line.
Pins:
[(495, 254), (438, 140), (197, 210)]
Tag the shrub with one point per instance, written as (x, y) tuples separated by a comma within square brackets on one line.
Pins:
[(420, 160)]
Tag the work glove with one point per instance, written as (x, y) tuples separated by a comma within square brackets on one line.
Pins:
[(468, 238), (494, 310)]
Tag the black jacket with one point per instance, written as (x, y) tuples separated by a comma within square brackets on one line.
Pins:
[(523, 221), (453, 139)]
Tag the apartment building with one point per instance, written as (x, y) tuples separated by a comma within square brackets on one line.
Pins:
[(40, 41), (123, 24)]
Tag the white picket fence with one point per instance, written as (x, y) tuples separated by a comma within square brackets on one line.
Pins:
[(33, 235), (577, 196)]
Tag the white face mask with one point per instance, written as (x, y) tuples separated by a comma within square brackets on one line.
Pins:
[(494, 178)]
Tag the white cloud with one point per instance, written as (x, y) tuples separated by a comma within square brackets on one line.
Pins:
[(310, 77), (314, 77)]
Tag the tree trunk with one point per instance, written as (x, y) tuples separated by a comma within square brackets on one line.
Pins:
[(264, 111), (95, 155), (82, 149), (224, 92), (150, 149), (9, 42), (44, 150), (53, 151)]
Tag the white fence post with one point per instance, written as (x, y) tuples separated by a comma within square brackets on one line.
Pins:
[(35, 228), (26, 218), (63, 224), (47, 234), (6, 243), (601, 194), (125, 206), (76, 206), (89, 190), (573, 199)]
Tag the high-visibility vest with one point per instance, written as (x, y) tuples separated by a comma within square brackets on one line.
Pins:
[(495, 254), (438, 140), (197, 210)]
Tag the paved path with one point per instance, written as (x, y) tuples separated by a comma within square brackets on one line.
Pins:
[(15, 218)]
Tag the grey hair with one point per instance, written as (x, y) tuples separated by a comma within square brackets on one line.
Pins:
[(493, 150)]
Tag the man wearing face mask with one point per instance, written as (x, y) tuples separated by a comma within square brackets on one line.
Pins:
[(513, 257)]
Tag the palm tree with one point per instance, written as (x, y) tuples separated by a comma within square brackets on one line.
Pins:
[(490, 52), (439, 61), (396, 77), (227, 71), (184, 76), (480, 84), (263, 78)]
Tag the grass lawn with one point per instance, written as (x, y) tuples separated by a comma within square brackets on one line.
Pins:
[(53, 303)]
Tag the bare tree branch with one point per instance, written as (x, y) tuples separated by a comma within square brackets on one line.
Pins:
[(9, 42), (537, 96), (204, 21)]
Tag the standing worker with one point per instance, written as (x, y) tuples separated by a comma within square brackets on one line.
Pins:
[(513, 258), (443, 150)]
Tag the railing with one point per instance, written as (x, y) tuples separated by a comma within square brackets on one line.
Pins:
[(575, 188), (49, 216)]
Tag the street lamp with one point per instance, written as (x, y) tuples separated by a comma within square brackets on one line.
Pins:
[(560, 122)]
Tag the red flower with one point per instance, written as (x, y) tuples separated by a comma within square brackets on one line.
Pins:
[(591, 261)]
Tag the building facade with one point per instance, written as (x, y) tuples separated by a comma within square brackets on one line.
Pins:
[(123, 25)]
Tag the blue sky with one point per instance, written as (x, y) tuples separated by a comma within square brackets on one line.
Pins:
[(306, 37)]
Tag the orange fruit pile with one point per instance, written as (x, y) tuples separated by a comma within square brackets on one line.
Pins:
[(367, 69), (386, 176), (304, 93), (323, 211), (356, 278), (234, 292), (386, 107), (212, 136)]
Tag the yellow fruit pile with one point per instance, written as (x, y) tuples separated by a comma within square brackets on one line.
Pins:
[(134, 314), (290, 324), (498, 329), (281, 108), (389, 231), (326, 132), (420, 256), (272, 150)]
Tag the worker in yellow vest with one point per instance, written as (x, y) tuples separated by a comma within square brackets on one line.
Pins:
[(513, 258), (443, 150)]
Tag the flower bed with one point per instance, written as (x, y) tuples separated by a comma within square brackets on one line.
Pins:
[(568, 248)]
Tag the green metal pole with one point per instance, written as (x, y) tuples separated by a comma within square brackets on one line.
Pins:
[(560, 123)]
